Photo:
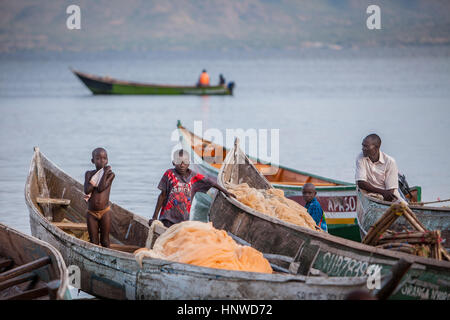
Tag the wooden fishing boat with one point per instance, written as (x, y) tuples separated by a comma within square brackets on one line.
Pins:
[(337, 198), (30, 268), (370, 209), (107, 85), (52, 196), (306, 251)]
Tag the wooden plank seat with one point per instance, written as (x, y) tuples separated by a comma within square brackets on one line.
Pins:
[(70, 225), (62, 202), (27, 267), (18, 280)]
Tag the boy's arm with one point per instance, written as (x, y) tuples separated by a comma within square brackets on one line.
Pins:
[(106, 180), (88, 187), (162, 196)]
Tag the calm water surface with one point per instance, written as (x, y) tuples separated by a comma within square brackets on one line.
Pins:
[(323, 104)]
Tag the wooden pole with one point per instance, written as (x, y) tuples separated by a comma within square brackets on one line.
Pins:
[(386, 220), (445, 254), (402, 235), (411, 217), (397, 273), (42, 183), (430, 202)]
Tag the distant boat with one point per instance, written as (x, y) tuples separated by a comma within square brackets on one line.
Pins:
[(30, 269), (107, 85)]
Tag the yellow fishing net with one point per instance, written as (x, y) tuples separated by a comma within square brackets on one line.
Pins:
[(200, 244), (273, 203)]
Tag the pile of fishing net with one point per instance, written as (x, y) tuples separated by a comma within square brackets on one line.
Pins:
[(273, 203), (200, 244)]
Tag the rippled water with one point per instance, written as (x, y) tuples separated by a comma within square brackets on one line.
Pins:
[(323, 104)]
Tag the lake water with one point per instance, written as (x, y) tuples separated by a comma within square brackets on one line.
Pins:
[(323, 102)]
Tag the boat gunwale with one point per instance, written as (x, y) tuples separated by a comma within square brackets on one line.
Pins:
[(316, 234)]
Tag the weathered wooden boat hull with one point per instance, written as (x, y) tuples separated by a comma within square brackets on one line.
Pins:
[(307, 252), (433, 218), (22, 249), (102, 85), (114, 274)]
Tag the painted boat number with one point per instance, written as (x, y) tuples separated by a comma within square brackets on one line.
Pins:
[(336, 265), (342, 204)]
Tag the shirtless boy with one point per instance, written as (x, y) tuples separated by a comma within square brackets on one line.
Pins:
[(97, 195)]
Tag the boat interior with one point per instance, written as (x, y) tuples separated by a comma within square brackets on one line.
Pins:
[(25, 275)]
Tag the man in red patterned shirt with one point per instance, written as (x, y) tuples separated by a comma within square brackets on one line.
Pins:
[(178, 187)]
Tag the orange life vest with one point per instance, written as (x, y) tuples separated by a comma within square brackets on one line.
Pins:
[(204, 79)]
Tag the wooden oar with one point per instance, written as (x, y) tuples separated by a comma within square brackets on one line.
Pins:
[(429, 202), (397, 273)]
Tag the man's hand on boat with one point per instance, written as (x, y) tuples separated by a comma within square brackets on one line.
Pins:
[(389, 195)]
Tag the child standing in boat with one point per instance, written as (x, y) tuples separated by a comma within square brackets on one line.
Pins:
[(97, 187), (178, 186)]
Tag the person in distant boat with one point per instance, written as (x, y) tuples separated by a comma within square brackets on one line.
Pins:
[(97, 187), (178, 187), (313, 206), (221, 80), (203, 81), (376, 172)]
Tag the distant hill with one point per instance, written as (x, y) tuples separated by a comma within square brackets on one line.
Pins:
[(179, 25)]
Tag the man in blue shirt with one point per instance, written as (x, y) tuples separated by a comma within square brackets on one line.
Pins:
[(313, 206)]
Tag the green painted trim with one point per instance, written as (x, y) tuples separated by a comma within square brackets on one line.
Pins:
[(419, 192), (346, 231)]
